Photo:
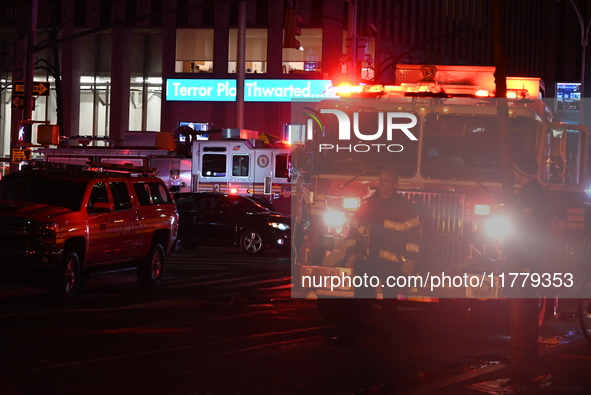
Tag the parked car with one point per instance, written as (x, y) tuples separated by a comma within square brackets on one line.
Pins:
[(210, 218), (266, 203)]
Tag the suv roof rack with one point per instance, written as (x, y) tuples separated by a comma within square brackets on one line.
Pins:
[(125, 168), (92, 167)]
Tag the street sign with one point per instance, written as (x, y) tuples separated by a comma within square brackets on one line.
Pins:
[(40, 88), (18, 103), (18, 155)]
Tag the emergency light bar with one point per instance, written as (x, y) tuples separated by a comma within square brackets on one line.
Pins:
[(455, 82), (345, 90)]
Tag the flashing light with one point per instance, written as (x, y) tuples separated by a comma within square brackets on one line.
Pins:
[(334, 218), (497, 227), (343, 202), (482, 209), (347, 89), (482, 93), (517, 94), (351, 203)]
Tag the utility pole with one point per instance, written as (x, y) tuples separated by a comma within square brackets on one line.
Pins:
[(240, 66), (517, 305), (29, 66), (584, 41)]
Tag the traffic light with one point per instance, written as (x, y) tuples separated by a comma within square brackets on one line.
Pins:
[(292, 29), (24, 133)]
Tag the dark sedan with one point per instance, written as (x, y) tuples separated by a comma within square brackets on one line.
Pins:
[(209, 218)]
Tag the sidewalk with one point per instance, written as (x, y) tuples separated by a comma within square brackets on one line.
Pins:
[(563, 369)]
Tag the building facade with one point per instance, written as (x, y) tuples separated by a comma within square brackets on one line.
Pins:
[(155, 65)]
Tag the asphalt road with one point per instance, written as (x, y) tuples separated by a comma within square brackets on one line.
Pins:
[(223, 323)]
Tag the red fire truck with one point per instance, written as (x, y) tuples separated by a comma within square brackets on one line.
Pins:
[(439, 127)]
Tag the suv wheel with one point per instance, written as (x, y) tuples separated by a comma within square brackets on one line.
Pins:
[(149, 270), (66, 281), (252, 242)]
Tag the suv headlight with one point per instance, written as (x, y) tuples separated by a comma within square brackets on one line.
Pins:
[(46, 233)]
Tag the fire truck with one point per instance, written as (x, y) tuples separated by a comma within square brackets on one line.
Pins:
[(239, 162), (439, 126)]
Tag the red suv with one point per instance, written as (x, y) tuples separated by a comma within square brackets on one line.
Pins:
[(58, 221)]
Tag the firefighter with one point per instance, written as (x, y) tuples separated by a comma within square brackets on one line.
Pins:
[(387, 231), (531, 216)]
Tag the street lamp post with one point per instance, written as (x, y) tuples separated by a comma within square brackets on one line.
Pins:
[(584, 38)]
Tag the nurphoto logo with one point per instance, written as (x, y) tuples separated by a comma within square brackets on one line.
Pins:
[(391, 120)]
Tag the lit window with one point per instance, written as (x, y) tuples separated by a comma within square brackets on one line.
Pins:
[(255, 53), (194, 51), (308, 59)]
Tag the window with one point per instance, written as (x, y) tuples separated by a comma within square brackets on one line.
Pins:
[(256, 51), (194, 51), (563, 156), (151, 193), (99, 194), (309, 58), (213, 165), (120, 193), (240, 165), (466, 147), (43, 190), (186, 203), (210, 205), (282, 166)]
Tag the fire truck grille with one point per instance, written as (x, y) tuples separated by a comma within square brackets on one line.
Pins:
[(442, 220), (442, 214)]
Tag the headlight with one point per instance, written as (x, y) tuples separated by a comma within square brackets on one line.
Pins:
[(497, 227), (279, 225), (46, 233), (482, 209), (334, 218), (342, 202)]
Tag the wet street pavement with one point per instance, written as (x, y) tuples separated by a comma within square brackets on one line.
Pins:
[(222, 324)]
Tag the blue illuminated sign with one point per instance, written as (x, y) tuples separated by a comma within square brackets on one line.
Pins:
[(254, 90)]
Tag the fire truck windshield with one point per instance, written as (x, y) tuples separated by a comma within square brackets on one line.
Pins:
[(466, 147)]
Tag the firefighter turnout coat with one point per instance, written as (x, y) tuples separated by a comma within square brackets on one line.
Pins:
[(387, 235)]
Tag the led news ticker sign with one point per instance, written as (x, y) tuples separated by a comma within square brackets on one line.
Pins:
[(254, 90)]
